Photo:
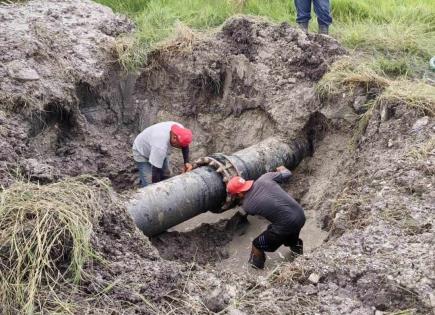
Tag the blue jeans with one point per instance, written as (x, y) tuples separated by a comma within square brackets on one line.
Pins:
[(145, 171), (321, 7)]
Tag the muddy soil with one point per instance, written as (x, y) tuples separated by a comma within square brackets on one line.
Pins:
[(203, 245), (63, 97), (67, 108)]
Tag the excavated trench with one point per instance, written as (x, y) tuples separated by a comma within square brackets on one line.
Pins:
[(67, 108), (251, 81), (223, 241)]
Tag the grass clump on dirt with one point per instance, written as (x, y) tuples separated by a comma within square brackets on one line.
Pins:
[(345, 75), (416, 94), (45, 236), (370, 74)]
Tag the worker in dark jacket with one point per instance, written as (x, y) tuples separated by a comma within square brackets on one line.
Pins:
[(266, 198)]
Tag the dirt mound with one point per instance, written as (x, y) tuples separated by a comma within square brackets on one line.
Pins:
[(251, 73), (57, 45), (60, 80)]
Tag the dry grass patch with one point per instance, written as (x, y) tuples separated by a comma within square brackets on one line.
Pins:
[(45, 236), (180, 41), (349, 73), (424, 151), (130, 52), (289, 274), (417, 95)]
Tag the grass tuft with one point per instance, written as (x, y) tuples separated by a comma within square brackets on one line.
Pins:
[(423, 151), (417, 95), (348, 73), (44, 239)]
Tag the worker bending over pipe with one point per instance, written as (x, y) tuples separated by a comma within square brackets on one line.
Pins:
[(264, 197), (151, 150)]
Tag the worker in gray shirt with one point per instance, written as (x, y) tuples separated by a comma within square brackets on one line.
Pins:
[(266, 198), (152, 146)]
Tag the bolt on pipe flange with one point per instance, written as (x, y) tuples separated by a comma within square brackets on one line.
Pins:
[(222, 164)]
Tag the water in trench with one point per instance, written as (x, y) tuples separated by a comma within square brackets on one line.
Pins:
[(227, 248)]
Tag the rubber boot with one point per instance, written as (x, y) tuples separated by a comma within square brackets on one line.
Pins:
[(304, 26), (323, 29), (298, 248), (257, 258)]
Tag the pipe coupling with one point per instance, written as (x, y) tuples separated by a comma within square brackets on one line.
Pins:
[(223, 166)]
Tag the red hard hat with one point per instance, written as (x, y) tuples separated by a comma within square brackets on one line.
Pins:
[(237, 185), (184, 135)]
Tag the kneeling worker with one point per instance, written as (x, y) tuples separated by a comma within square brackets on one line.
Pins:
[(266, 198), (152, 147)]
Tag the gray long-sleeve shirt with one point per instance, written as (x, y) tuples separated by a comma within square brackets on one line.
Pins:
[(267, 199)]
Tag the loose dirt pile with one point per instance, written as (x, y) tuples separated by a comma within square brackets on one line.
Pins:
[(62, 100), (68, 109)]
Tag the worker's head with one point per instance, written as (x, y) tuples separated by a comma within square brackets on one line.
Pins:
[(180, 137), (237, 186)]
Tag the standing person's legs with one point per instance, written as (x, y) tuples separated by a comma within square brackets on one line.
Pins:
[(323, 12), (303, 10), (144, 169), (159, 174)]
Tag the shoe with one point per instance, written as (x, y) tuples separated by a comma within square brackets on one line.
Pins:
[(304, 26), (323, 29), (298, 248), (257, 258)]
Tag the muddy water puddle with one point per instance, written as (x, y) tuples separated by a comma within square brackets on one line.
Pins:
[(237, 249)]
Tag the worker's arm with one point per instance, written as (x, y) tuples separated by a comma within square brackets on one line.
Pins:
[(187, 165), (282, 175)]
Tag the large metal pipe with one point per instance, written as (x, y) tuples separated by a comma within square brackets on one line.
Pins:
[(160, 206)]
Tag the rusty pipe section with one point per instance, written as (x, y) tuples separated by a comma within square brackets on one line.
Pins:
[(160, 206)]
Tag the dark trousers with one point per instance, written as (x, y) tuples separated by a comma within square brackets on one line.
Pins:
[(145, 172), (321, 7), (271, 239)]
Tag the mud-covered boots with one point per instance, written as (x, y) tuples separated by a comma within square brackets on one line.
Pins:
[(304, 26), (323, 29), (298, 248), (257, 258)]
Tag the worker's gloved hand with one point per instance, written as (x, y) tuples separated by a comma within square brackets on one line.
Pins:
[(187, 167)]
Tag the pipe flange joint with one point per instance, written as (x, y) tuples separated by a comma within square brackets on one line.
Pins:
[(222, 165)]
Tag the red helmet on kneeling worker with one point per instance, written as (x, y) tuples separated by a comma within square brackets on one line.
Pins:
[(184, 135)]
